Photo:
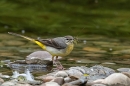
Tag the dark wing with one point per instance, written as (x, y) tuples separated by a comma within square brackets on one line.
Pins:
[(58, 42)]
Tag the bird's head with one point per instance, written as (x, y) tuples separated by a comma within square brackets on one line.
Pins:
[(70, 39)]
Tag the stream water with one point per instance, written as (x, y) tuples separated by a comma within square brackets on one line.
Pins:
[(89, 51)]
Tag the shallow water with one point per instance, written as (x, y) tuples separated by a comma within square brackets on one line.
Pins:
[(92, 50)]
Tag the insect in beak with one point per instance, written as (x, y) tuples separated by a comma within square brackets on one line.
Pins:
[(75, 40)]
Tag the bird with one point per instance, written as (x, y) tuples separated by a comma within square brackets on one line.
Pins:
[(58, 46)]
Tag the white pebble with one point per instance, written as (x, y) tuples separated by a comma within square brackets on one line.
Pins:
[(115, 78), (61, 74), (50, 84)]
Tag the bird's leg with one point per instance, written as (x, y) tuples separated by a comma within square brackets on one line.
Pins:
[(57, 63), (52, 58), (56, 57)]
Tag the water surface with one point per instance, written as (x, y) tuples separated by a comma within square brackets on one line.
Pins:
[(91, 50)]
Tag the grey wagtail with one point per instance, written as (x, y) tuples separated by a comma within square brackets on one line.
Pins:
[(59, 46)]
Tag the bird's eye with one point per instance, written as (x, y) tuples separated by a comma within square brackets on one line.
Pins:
[(67, 39)]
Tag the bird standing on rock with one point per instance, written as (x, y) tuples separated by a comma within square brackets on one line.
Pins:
[(59, 46)]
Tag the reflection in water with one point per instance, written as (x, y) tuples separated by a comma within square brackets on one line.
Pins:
[(89, 51)]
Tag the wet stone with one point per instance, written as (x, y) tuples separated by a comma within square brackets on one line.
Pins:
[(59, 80), (1, 81), (86, 61), (39, 57), (47, 78), (109, 63), (94, 55), (21, 65), (98, 85), (50, 84), (123, 69)]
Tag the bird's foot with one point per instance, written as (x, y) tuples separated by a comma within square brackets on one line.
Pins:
[(58, 65)]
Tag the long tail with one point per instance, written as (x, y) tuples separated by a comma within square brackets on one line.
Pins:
[(28, 38)]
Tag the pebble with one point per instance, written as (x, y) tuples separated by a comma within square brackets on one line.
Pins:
[(98, 85), (68, 84), (123, 69), (48, 78), (4, 76), (50, 84), (126, 73), (23, 85), (67, 79), (97, 75), (61, 74), (109, 63), (1, 81), (114, 79), (9, 83), (42, 55), (59, 80)]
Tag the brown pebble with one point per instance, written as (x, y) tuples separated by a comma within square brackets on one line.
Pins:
[(61, 74), (59, 80), (127, 74), (67, 79), (48, 78), (50, 84), (98, 85), (1, 81), (116, 79), (24, 85)]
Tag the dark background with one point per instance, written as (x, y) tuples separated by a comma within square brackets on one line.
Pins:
[(62, 17)]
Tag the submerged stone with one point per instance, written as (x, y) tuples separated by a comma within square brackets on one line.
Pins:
[(86, 61)]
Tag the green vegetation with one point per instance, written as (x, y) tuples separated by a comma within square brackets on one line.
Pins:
[(63, 17)]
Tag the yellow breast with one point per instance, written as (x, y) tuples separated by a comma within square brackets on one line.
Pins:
[(69, 48)]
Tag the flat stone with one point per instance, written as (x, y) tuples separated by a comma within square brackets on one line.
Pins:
[(109, 63), (123, 69), (94, 55), (86, 61), (50, 84)]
